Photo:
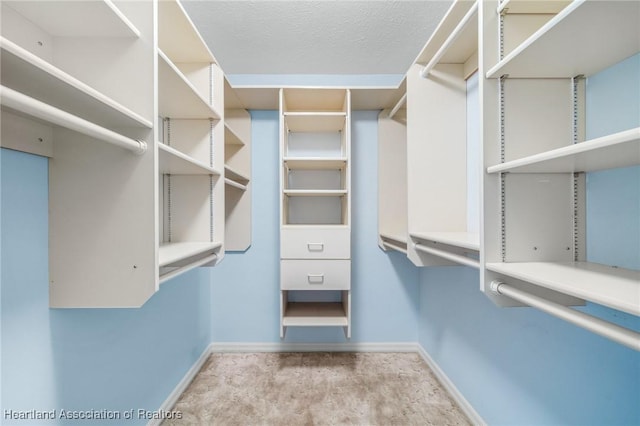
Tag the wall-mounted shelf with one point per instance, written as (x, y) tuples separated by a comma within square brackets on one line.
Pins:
[(231, 137), (178, 36), (466, 240), (394, 242), (314, 121), (620, 149), (616, 288), (314, 163), (172, 253), (315, 192), (532, 6), (235, 175), (172, 161), (579, 40), (318, 314)]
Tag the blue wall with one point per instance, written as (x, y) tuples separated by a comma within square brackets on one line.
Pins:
[(83, 359), (246, 288), (519, 366)]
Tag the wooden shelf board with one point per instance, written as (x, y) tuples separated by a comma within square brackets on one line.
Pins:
[(27, 73), (178, 36), (616, 288), (315, 122), (230, 136), (100, 18), (315, 192), (314, 314), (177, 97), (620, 149), (172, 161), (314, 163), (466, 240), (584, 38), (235, 175), (532, 6), (170, 253)]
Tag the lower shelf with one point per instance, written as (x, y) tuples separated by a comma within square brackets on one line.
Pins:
[(315, 314)]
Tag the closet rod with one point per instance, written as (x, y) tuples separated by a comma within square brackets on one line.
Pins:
[(185, 268), (606, 329), (394, 247), (235, 184), (396, 108), (458, 258), (449, 41), (35, 108)]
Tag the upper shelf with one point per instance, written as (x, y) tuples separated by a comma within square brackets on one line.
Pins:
[(614, 287), (315, 100), (177, 35), (584, 38), (314, 163), (100, 18), (315, 121), (466, 240), (612, 151), (177, 97), (29, 74), (230, 135), (172, 161), (171, 253), (532, 6), (315, 192)]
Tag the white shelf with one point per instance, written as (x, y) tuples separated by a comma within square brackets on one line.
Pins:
[(234, 184), (584, 38), (172, 161), (230, 136), (616, 288), (306, 99), (178, 36), (398, 238), (315, 192), (235, 175), (612, 151), (314, 121), (317, 314), (314, 163), (100, 18), (532, 6), (466, 240), (35, 77), (178, 98), (170, 253)]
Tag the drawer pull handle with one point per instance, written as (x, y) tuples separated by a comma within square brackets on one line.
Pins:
[(315, 278), (315, 246)]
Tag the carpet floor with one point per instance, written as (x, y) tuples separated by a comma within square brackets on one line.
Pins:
[(316, 388)]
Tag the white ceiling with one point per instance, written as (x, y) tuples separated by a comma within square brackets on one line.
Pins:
[(316, 37)]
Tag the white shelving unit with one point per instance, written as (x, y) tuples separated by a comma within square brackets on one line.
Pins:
[(437, 143), (120, 222), (315, 207)]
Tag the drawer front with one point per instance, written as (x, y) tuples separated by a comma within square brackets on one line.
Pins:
[(319, 243), (315, 274)]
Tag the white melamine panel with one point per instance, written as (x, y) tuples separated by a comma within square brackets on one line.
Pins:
[(193, 138), (304, 144), (532, 6), (237, 218), (199, 75), (190, 211), (306, 100), (24, 134), (538, 116), (466, 240), (235, 175), (29, 74), (539, 217), (315, 242), (230, 136), (519, 27), (620, 149), (172, 161), (178, 37), (314, 163), (314, 122), (177, 97), (610, 286), (314, 192), (102, 230), (584, 38), (315, 274), (172, 253), (99, 18), (320, 208), (318, 314), (305, 179)]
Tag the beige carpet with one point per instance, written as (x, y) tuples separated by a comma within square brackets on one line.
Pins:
[(316, 389)]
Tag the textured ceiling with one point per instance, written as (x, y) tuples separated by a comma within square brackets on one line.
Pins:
[(316, 37)]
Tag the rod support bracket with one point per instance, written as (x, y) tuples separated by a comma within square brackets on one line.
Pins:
[(495, 286)]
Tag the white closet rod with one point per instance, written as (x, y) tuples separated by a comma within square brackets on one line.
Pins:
[(235, 184), (449, 41), (394, 247), (38, 109), (449, 256), (606, 329), (185, 268), (396, 108)]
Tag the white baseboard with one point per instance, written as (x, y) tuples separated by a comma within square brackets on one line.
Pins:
[(173, 397), (457, 396), (464, 405)]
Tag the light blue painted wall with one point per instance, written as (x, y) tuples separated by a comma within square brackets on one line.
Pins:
[(246, 286), (84, 359), (518, 366)]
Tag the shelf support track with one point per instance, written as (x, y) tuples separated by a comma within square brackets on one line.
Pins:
[(595, 325), (35, 108)]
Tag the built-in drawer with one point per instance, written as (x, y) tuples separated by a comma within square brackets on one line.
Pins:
[(315, 274), (315, 243)]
